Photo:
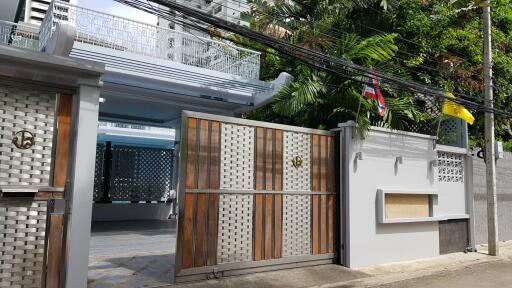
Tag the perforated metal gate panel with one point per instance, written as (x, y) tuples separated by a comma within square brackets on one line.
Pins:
[(297, 208), (35, 112), (22, 234), (235, 210), (237, 157)]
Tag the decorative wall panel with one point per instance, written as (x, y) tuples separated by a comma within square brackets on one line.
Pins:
[(296, 208), (235, 210), (22, 234), (22, 109), (450, 167)]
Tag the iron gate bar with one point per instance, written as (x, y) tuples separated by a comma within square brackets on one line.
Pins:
[(256, 266), (227, 191), (253, 123)]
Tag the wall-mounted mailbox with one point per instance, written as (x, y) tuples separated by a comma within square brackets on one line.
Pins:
[(25, 191), (402, 206)]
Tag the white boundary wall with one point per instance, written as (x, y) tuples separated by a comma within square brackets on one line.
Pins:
[(374, 163)]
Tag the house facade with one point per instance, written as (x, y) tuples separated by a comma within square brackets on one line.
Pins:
[(253, 196)]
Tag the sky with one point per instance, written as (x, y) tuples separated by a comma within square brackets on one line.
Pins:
[(112, 7)]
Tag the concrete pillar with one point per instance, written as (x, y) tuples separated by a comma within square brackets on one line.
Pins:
[(81, 185)]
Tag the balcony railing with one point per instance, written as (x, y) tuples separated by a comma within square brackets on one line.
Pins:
[(118, 33), (19, 35)]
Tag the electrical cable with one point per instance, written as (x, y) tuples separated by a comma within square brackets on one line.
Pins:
[(314, 58)]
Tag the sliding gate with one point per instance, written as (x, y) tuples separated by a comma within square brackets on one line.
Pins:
[(253, 196)]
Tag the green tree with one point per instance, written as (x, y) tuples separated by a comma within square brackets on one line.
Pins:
[(440, 43), (319, 99)]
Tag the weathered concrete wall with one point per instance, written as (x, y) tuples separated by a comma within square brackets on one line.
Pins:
[(504, 191)]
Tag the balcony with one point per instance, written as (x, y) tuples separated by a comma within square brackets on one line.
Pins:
[(152, 73), (19, 35), (126, 35)]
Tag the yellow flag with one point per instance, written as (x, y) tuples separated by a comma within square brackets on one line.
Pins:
[(456, 110)]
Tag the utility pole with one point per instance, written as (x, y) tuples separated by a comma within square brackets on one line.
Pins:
[(490, 160)]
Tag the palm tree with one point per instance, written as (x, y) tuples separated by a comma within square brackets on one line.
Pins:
[(319, 99)]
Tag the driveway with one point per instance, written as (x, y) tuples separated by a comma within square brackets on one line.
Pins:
[(132, 254)]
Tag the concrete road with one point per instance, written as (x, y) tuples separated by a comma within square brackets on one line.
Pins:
[(486, 275)]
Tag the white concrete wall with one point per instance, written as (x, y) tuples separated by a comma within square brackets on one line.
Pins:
[(372, 243), (130, 211), (452, 195)]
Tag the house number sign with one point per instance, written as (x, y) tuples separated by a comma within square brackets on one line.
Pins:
[(297, 162), (23, 139)]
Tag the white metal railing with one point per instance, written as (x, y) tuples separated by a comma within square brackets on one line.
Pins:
[(18, 35), (133, 126), (118, 33)]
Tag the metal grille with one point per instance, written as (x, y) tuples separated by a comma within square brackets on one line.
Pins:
[(141, 174), (35, 112), (237, 157), (297, 144), (449, 132), (297, 208), (22, 234), (296, 225), (450, 167), (235, 228), (98, 172), (235, 211)]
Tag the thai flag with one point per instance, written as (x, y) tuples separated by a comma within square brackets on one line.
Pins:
[(372, 91)]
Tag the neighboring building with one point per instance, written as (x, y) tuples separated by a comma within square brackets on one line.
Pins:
[(35, 10)]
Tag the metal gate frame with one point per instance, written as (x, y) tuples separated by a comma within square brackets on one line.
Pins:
[(325, 202)]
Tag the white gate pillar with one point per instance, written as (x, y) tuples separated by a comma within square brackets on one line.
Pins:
[(81, 185)]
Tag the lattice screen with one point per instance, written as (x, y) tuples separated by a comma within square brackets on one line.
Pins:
[(140, 174), (22, 234), (98, 172), (297, 208), (34, 111), (450, 167), (235, 210), (452, 132)]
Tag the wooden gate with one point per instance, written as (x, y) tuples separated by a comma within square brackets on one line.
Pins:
[(253, 196)]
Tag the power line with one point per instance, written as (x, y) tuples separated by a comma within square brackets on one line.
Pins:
[(314, 58), (338, 32)]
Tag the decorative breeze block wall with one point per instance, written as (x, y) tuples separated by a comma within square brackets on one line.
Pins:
[(34, 111), (235, 210), (22, 234), (450, 167), (296, 208)]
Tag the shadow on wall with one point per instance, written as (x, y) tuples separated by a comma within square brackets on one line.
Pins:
[(504, 195)]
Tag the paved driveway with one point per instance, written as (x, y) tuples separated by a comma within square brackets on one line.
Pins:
[(132, 253)]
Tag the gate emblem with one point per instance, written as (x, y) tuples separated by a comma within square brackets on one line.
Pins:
[(297, 162), (23, 139)]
